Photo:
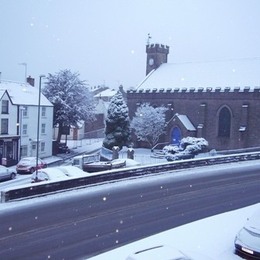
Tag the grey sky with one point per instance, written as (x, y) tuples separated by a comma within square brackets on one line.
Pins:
[(104, 40)]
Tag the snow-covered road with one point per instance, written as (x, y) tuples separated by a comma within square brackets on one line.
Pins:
[(213, 236)]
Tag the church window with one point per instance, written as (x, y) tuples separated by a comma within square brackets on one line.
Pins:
[(224, 123)]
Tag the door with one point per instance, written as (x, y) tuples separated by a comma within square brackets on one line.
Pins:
[(176, 136)]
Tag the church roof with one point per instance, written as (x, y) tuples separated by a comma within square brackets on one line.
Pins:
[(186, 122), (194, 75)]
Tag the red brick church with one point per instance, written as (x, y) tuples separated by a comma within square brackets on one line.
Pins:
[(218, 100)]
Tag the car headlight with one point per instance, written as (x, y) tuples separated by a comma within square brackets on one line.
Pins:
[(238, 240)]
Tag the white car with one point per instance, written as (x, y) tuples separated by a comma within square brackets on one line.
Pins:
[(247, 241), (6, 173), (72, 171), (57, 173)]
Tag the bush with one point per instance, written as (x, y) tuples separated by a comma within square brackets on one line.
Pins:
[(171, 149), (189, 147)]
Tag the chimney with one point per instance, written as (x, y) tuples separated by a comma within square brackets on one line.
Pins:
[(30, 80)]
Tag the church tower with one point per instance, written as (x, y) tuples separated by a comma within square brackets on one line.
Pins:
[(156, 55)]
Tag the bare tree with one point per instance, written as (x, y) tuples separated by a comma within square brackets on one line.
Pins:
[(148, 124)]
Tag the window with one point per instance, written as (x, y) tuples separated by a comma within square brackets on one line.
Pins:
[(24, 130), (4, 126), (43, 131), (5, 106), (25, 111), (224, 122), (42, 147), (43, 111)]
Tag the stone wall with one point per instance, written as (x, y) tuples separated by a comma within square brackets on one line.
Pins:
[(202, 106)]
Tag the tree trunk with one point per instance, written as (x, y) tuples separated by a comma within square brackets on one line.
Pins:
[(59, 133)]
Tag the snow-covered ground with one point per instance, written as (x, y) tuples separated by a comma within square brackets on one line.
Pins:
[(211, 237)]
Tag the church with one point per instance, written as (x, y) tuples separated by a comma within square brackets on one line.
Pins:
[(216, 100)]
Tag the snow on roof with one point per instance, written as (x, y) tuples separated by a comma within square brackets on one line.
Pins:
[(101, 107), (106, 93), (2, 91), (213, 74), (23, 94), (186, 122)]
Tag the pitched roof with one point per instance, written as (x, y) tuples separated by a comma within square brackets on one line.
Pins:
[(23, 94), (101, 106), (106, 93), (186, 122), (218, 74)]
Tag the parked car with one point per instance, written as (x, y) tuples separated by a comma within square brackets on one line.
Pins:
[(57, 173), (72, 171), (63, 148), (6, 173), (28, 165), (247, 241)]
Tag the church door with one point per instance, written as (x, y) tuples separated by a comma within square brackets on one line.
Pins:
[(176, 136)]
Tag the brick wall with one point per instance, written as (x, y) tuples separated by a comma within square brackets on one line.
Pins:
[(202, 108)]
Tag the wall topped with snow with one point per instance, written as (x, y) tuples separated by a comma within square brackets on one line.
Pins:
[(199, 89)]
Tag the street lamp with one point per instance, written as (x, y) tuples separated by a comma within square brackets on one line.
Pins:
[(38, 124), (21, 109)]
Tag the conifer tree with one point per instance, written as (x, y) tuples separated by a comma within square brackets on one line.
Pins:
[(117, 131)]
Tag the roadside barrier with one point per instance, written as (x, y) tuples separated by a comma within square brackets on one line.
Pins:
[(41, 189)]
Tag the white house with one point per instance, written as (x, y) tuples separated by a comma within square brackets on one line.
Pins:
[(19, 122)]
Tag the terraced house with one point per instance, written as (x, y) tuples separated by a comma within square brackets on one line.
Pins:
[(19, 121), (216, 100)]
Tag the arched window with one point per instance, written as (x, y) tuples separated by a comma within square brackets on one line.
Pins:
[(224, 122)]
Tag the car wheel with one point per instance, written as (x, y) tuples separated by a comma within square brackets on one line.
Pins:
[(12, 176), (32, 170)]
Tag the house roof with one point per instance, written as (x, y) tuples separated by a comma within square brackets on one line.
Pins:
[(218, 74), (23, 94), (106, 93), (101, 107)]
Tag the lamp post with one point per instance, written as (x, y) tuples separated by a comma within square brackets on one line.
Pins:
[(21, 109), (38, 124)]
